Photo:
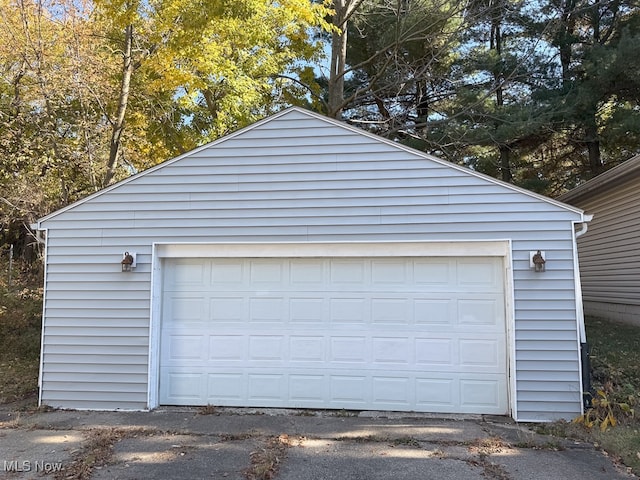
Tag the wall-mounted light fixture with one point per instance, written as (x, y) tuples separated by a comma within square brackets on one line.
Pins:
[(128, 261), (537, 261)]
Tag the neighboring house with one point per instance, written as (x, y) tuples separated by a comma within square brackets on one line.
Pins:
[(301, 262), (610, 251)]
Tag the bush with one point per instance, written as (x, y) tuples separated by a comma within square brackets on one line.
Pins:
[(20, 331)]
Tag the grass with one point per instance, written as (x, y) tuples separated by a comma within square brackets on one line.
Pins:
[(20, 329), (614, 357), (615, 368)]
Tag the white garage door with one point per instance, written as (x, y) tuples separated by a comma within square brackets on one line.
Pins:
[(407, 334)]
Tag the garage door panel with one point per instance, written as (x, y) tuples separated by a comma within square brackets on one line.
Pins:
[(480, 353), (227, 273), (228, 309), (434, 352), (477, 393), (391, 391), (351, 391), (391, 351), (307, 274), (266, 273), (433, 311), (266, 387), (348, 273), (267, 309), (227, 348), (477, 353), (306, 348), (384, 390), (185, 309), (381, 333), (479, 274), (391, 310), (435, 394), (481, 311), (186, 347), (188, 273), (307, 310), (307, 390), (349, 349), (266, 348), (434, 273), (184, 387), (225, 387), (349, 310), (389, 272)]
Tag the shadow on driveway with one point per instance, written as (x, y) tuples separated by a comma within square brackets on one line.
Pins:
[(288, 445)]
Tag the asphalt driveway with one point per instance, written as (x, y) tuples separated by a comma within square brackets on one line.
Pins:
[(239, 444)]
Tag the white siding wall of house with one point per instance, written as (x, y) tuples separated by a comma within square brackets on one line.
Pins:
[(294, 178)]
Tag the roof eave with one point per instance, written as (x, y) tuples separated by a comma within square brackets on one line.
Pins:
[(618, 175)]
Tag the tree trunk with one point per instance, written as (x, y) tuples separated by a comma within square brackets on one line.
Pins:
[(593, 148), (118, 123), (498, 76), (505, 164), (422, 109), (338, 60), (567, 27)]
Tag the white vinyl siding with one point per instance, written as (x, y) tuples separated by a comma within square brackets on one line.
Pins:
[(262, 185)]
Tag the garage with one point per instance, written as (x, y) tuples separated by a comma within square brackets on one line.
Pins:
[(369, 333), (303, 263)]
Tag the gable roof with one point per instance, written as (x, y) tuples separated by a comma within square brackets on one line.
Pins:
[(618, 175), (340, 124)]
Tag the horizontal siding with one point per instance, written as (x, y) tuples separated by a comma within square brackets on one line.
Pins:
[(279, 183), (111, 318), (69, 370), (98, 387), (86, 340), (328, 218), (343, 230), (553, 355), (333, 198), (529, 386), (115, 398), (81, 404), (88, 358), (93, 349), (93, 302), (106, 378), (604, 236), (363, 207), (548, 411), (610, 250), (624, 313), (532, 396), (535, 294), (533, 376), (553, 365)]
